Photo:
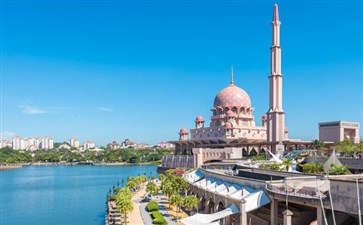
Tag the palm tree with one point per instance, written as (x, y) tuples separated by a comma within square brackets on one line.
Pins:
[(190, 202), (168, 190), (162, 177), (125, 205), (176, 200), (123, 202), (131, 184), (286, 164), (152, 188)]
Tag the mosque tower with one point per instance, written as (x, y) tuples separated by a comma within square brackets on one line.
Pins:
[(275, 114)]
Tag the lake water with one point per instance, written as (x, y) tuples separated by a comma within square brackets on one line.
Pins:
[(60, 195)]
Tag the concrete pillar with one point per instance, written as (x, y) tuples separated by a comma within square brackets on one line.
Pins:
[(287, 217), (274, 210), (207, 209), (319, 216), (243, 212), (215, 209)]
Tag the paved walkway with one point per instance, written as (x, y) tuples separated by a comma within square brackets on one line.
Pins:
[(163, 210), (135, 217)]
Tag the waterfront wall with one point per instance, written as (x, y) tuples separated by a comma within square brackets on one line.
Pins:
[(174, 161)]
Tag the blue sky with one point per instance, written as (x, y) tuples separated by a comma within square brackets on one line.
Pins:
[(105, 71)]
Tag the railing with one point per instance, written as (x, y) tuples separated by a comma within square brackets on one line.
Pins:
[(302, 192)]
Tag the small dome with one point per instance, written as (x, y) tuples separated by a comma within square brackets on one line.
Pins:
[(228, 125), (230, 113), (264, 117), (199, 119), (183, 131), (232, 96)]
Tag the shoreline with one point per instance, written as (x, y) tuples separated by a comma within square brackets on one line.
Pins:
[(20, 165), (10, 167)]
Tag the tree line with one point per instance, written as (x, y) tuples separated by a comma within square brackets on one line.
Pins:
[(8, 155)]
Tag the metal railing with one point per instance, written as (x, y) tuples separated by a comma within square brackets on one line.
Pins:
[(302, 192)]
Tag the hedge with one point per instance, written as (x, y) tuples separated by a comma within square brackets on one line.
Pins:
[(158, 218), (152, 206)]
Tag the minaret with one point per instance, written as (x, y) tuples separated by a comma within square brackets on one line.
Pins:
[(232, 76), (275, 114)]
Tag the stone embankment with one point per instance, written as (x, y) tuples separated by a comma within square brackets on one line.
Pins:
[(10, 167)]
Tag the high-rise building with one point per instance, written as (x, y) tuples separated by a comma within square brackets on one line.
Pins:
[(74, 142), (88, 145)]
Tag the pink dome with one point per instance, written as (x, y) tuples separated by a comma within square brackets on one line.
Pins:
[(230, 113), (232, 96), (264, 117), (199, 119), (228, 125), (183, 131)]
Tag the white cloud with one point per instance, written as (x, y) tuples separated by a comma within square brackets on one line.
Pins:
[(105, 109), (28, 109), (7, 135)]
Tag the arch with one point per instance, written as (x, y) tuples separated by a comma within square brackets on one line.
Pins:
[(220, 206), (235, 110), (244, 152), (253, 152), (212, 161), (210, 206)]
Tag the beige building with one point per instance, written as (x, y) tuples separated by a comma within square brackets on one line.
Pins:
[(337, 131)]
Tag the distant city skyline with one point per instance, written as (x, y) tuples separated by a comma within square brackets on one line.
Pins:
[(116, 70)]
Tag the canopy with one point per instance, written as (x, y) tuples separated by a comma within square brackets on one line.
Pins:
[(210, 219), (255, 198)]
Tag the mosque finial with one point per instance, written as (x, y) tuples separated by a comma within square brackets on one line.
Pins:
[(276, 13), (232, 75)]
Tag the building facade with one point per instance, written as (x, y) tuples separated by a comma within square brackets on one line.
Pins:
[(32, 144), (337, 131), (88, 145), (74, 142)]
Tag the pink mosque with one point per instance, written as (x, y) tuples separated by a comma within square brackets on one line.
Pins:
[(232, 132)]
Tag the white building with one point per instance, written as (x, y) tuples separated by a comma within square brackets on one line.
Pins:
[(47, 143), (74, 142), (88, 145), (19, 143), (5, 143), (166, 145)]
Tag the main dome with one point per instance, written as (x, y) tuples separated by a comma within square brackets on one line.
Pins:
[(232, 96)]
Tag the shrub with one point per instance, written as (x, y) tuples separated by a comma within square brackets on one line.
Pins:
[(159, 221), (152, 206), (158, 218)]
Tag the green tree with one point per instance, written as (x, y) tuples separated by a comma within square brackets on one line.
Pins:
[(152, 188), (286, 164), (162, 177), (317, 144), (168, 190), (131, 184), (336, 170), (190, 202), (315, 168), (345, 146), (124, 202), (176, 200)]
